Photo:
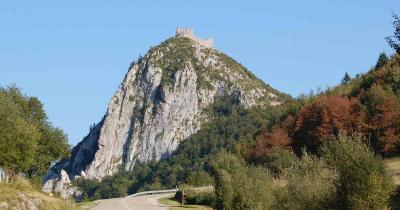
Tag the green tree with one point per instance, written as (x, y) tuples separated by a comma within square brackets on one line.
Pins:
[(29, 141), (199, 178), (382, 60), (224, 165), (394, 40), (279, 160), (18, 138), (346, 79), (51, 147)]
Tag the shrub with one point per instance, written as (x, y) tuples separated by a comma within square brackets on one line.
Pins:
[(199, 178), (260, 194), (363, 182), (278, 160), (197, 197), (88, 187), (240, 187), (310, 184), (109, 187)]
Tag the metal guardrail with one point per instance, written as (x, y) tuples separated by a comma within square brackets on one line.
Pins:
[(154, 192)]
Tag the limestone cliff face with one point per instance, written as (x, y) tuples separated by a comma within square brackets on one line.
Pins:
[(161, 102)]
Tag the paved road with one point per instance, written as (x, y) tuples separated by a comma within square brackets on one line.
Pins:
[(147, 202)]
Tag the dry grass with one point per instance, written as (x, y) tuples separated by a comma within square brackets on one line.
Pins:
[(11, 192)]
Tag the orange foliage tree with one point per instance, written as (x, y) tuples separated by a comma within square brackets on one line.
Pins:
[(385, 125), (324, 119), (270, 140)]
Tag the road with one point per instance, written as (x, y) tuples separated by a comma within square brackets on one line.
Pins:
[(146, 202)]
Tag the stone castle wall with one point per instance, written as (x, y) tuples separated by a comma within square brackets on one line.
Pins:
[(188, 33)]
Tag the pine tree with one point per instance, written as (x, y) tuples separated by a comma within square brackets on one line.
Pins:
[(382, 60), (346, 79)]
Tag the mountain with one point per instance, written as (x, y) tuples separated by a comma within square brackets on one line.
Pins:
[(163, 100)]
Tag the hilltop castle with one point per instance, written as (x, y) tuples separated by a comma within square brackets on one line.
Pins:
[(188, 33)]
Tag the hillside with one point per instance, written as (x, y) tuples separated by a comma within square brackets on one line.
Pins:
[(21, 195), (369, 104), (25, 194), (343, 129), (164, 99), (299, 151)]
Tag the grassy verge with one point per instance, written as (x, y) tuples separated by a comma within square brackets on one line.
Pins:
[(20, 192), (174, 205)]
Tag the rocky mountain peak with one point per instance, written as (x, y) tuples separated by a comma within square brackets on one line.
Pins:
[(161, 102)]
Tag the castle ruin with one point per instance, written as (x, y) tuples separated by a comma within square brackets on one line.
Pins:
[(188, 33)]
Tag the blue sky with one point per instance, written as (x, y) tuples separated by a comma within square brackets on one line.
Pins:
[(73, 54)]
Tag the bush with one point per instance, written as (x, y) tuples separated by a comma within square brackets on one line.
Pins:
[(261, 188), (363, 182), (238, 186), (310, 184), (199, 178), (205, 197), (110, 187), (88, 187), (279, 160)]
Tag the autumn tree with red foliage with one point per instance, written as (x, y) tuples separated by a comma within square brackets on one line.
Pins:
[(383, 122), (323, 119), (277, 138), (387, 119), (272, 140)]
